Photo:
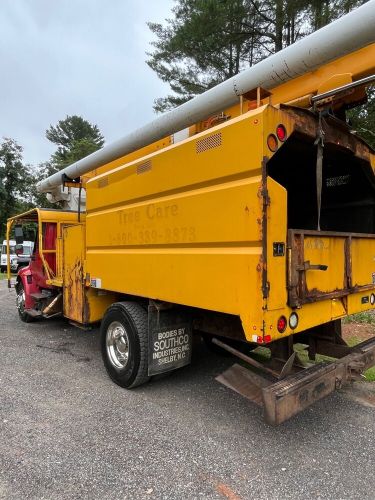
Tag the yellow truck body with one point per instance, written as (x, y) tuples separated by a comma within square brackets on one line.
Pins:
[(196, 224), (259, 229)]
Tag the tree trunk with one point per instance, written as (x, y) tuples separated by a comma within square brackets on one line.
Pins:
[(279, 22)]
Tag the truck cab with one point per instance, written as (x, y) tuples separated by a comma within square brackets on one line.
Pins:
[(54, 282)]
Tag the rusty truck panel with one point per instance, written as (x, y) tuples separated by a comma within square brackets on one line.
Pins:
[(82, 304), (73, 289)]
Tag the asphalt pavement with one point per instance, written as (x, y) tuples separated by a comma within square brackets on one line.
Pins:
[(68, 432)]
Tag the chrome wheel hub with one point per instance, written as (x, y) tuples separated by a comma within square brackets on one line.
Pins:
[(117, 342)]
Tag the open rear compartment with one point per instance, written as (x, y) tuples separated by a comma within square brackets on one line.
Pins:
[(348, 186), (335, 259)]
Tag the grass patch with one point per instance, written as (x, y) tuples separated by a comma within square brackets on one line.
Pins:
[(261, 354), (370, 374), (352, 341), (303, 355), (362, 317), (4, 276)]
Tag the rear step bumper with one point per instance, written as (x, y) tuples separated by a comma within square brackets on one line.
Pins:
[(289, 396)]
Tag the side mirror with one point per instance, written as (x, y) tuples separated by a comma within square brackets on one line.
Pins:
[(18, 234)]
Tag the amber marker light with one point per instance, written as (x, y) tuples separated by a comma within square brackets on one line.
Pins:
[(272, 142)]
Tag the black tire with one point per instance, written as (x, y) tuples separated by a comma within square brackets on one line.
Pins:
[(125, 360), (20, 302), (3, 269)]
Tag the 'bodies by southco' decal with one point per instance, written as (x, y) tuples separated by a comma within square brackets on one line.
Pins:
[(170, 348)]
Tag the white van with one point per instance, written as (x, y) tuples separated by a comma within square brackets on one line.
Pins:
[(13, 256)]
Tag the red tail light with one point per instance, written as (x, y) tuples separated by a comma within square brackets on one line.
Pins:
[(282, 324), (262, 340), (281, 133)]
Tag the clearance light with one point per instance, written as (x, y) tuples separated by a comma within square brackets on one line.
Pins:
[(372, 299), (272, 142), (293, 320), (281, 133), (282, 324), (262, 340)]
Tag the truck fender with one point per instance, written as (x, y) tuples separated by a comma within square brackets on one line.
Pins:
[(24, 278)]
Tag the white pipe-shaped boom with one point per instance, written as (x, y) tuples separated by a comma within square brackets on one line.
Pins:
[(347, 34)]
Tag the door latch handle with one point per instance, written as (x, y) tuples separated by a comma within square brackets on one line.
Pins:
[(306, 266)]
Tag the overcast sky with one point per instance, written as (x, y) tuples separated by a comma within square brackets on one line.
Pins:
[(83, 57)]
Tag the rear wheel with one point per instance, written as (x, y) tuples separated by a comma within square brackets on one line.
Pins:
[(124, 344), (20, 301)]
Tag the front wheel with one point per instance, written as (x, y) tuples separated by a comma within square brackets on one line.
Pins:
[(20, 302), (124, 344)]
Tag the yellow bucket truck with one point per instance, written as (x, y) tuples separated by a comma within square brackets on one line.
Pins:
[(256, 229)]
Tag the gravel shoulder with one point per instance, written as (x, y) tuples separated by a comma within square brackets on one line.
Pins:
[(66, 431)]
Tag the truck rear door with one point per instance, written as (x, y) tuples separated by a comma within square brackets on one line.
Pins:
[(325, 265)]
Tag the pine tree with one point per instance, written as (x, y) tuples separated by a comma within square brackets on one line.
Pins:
[(75, 138), (207, 41)]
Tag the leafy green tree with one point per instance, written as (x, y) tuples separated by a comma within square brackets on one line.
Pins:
[(75, 138), (40, 172), (15, 181), (363, 118)]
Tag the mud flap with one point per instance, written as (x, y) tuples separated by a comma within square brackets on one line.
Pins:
[(170, 338)]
